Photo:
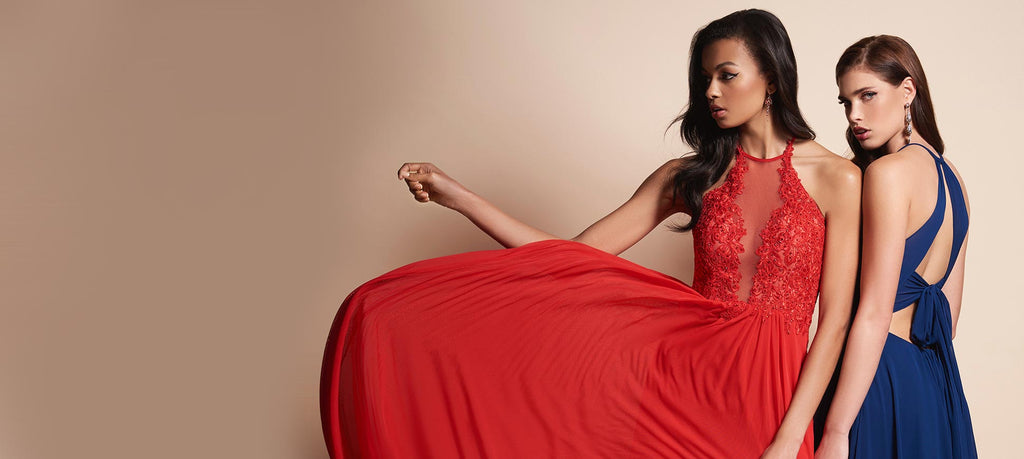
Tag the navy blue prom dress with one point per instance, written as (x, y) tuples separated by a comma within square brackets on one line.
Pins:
[(916, 405)]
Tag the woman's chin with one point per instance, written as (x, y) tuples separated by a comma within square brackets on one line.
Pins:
[(725, 124), (871, 144)]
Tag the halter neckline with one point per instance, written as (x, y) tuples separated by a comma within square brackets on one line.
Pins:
[(788, 151)]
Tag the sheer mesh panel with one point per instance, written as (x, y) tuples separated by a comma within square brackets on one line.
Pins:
[(758, 200)]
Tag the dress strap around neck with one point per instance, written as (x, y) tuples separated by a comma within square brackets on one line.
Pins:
[(788, 151)]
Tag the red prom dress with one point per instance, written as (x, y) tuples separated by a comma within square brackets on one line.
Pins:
[(557, 349)]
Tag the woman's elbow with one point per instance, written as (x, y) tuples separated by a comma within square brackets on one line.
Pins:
[(836, 322), (872, 318)]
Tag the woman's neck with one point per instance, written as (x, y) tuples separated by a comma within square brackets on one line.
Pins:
[(899, 141), (761, 139)]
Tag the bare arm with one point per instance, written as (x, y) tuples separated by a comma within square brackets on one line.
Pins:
[(886, 206), (839, 272), (650, 205)]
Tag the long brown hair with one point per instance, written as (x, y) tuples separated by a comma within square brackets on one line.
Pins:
[(893, 60)]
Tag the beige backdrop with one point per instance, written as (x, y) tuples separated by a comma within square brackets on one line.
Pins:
[(189, 189)]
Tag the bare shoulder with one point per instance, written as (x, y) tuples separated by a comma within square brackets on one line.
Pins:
[(893, 168), (675, 164), (893, 177), (667, 171), (827, 167), (832, 181), (664, 176)]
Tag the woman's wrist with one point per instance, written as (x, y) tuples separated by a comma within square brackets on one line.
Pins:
[(465, 202), (789, 437), (833, 429)]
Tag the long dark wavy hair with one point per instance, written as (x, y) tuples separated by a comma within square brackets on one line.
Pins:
[(893, 60), (766, 39)]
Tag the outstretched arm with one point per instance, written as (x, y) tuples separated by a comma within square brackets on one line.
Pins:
[(838, 275), (886, 199), (428, 183), (651, 204)]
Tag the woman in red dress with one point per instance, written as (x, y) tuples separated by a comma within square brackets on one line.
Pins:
[(559, 348)]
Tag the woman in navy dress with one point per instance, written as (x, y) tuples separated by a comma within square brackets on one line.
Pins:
[(899, 391)]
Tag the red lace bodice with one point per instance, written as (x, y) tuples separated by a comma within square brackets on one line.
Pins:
[(759, 242)]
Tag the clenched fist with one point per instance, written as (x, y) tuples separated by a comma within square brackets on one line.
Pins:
[(429, 183)]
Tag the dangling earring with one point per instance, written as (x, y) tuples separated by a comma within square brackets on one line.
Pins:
[(768, 103), (907, 129)]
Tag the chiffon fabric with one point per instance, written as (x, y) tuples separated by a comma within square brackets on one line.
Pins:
[(557, 349)]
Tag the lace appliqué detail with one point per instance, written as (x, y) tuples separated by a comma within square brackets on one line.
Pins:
[(716, 243), (790, 254)]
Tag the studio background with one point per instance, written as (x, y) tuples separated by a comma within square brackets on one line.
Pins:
[(188, 190)]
